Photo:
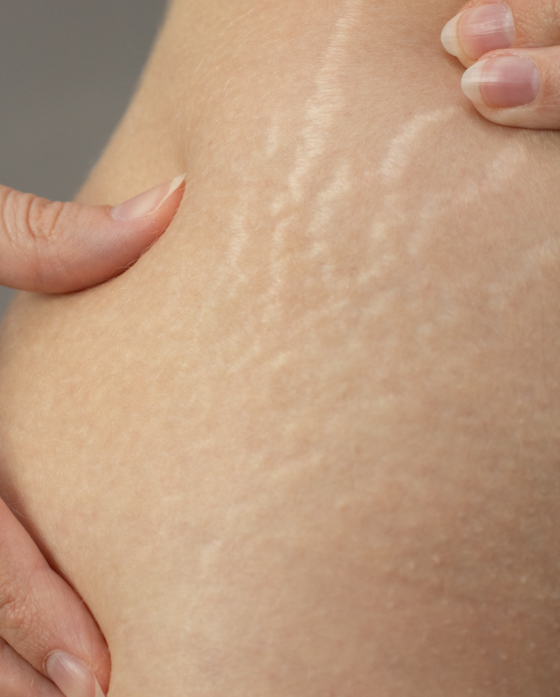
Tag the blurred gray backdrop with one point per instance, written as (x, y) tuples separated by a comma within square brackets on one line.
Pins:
[(69, 68)]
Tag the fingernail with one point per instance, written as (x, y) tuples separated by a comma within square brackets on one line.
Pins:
[(146, 203), (72, 677), (479, 30), (502, 82)]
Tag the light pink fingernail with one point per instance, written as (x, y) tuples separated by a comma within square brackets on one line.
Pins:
[(72, 677), (502, 82), (479, 30), (147, 203)]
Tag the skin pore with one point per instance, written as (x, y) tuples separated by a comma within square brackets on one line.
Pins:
[(307, 445)]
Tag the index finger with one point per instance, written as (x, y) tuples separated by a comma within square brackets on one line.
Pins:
[(44, 620)]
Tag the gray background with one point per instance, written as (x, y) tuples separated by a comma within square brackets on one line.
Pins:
[(68, 70)]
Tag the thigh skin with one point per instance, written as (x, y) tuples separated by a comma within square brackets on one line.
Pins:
[(308, 445)]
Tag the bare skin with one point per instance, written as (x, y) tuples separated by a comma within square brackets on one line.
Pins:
[(316, 454), (48, 639)]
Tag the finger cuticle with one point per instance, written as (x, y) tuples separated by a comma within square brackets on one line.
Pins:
[(479, 30), (502, 82), (72, 676)]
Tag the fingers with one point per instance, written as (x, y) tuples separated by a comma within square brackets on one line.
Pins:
[(514, 59), (520, 88), (478, 30), (45, 623), (54, 247), (19, 679), (483, 26)]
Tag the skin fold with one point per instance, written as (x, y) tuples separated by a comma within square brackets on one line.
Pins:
[(308, 444)]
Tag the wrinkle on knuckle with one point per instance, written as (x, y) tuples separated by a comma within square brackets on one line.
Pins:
[(43, 220), (17, 605), (15, 615), (39, 234), (10, 205), (30, 224)]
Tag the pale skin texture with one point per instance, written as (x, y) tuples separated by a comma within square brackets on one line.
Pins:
[(47, 246), (308, 444)]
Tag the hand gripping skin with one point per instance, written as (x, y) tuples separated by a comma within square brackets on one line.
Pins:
[(512, 52)]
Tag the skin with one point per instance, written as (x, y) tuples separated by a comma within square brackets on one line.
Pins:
[(317, 453), (53, 246)]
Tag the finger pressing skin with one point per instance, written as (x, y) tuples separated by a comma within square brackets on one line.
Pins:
[(54, 247), (484, 26), (517, 88), (44, 620)]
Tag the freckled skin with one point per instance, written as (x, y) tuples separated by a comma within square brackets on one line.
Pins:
[(308, 444)]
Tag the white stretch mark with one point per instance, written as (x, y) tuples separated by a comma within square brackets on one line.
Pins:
[(401, 148), (327, 101), (274, 137), (239, 236), (507, 163), (502, 169), (322, 108), (326, 202), (278, 262), (325, 209)]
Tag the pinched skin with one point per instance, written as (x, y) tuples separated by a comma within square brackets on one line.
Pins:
[(308, 445)]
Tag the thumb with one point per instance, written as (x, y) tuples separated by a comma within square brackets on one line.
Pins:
[(54, 247)]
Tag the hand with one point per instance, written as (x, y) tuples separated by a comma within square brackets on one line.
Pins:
[(513, 54), (50, 645), (42, 620), (65, 247)]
